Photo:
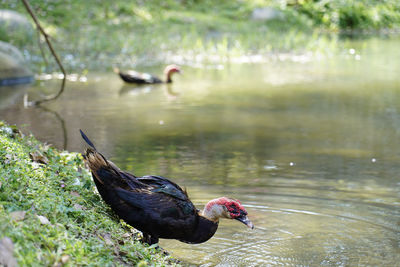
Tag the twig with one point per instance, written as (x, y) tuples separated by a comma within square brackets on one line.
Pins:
[(46, 36), (41, 48)]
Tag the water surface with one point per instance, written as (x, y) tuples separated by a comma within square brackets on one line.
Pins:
[(309, 146)]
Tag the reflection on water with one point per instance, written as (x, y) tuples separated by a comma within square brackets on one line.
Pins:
[(64, 131), (310, 148)]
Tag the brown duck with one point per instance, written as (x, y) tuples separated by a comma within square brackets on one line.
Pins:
[(132, 76), (156, 206)]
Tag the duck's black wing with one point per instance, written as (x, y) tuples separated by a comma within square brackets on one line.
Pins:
[(171, 198), (164, 185), (138, 77), (159, 211)]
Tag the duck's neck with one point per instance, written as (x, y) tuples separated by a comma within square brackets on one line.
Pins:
[(214, 210), (168, 77)]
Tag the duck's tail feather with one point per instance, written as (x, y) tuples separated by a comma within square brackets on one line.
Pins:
[(87, 140), (105, 171), (96, 162), (94, 159)]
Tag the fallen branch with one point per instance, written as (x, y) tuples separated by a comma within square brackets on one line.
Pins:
[(41, 48), (53, 52)]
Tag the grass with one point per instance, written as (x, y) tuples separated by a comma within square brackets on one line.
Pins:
[(52, 213)]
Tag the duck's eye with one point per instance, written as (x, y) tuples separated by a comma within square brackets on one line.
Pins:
[(235, 214), (232, 208)]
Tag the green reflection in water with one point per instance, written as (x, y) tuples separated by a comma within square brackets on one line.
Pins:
[(310, 147)]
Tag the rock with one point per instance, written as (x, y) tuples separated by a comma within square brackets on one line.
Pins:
[(13, 69), (107, 239), (18, 215), (74, 193), (8, 49), (18, 29), (14, 75), (38, 157), (79, 207), (6, 253), (43, 220), (266, 13), (15, 26), (65, 258)]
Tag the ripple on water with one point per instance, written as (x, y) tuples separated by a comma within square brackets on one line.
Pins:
[(295, 230)]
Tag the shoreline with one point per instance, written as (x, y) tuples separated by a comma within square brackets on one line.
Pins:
[(52, 214)]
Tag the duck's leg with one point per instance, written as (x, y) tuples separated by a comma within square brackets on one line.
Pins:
[(145, 238), (151, 240)]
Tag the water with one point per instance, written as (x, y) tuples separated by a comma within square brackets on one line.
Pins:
[(310, 148)]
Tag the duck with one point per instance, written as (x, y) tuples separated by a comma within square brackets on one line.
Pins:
[(132, 76), (157, 206)]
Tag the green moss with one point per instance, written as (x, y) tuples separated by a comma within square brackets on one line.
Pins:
[(81, 229)]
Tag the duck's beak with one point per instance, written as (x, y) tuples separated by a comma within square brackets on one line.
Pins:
[(245, 220)]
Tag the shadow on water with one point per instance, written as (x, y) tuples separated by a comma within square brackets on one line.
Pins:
[(309, 147)]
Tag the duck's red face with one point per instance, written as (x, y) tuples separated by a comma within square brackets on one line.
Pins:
[(237, 212), (176, 69), (172, 69), (227, 208)]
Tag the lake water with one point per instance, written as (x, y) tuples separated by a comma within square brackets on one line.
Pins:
[(309, 145)]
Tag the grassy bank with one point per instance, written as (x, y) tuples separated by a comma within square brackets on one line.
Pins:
[(50, 211), (98, 34)]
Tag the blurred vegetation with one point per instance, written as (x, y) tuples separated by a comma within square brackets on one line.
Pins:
[(51, 213), (352, 14), (98, 34)]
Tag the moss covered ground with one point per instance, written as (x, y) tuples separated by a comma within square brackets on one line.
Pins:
[(51, 214)]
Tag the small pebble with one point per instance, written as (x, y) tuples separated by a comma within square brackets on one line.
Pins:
[(43, 220)]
